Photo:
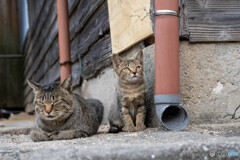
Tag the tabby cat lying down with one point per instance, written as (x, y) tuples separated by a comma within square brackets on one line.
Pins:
[(61, 114)]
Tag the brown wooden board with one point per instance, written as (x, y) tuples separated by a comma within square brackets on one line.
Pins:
[(98, 57), (213, 20), (129, 22), (96, 27)]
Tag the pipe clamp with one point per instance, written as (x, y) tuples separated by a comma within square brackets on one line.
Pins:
[(166, 12), (167, 99)]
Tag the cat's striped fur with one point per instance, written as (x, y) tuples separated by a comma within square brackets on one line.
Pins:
[(129, 113), (62, 114)]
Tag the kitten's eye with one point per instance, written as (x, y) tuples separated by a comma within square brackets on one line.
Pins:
[(126, 68), (138, 67)]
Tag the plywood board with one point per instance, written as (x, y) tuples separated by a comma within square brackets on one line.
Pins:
[(129, 23)]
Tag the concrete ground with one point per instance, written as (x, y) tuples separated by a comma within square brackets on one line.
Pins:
[(212, 141)]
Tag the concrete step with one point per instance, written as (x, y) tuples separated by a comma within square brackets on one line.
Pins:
[(205, 141), (149, 144)]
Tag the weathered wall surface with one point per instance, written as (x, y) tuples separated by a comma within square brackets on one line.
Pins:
[(89, 38), (11, 70), (210, 82)]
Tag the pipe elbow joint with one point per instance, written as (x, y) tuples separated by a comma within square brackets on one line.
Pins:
[(170, 113)]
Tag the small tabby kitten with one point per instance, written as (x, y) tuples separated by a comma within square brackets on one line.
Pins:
[(129, 114), (62, 114)]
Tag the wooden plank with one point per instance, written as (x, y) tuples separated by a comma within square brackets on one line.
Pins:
[(47, 14), (50, 21), (72, 6), (98, 57), (130, 23), (38, 12), (97, 26), (47, 44), (32, 28), (40, 33), (83, 13), (213, 20), (183, 28)]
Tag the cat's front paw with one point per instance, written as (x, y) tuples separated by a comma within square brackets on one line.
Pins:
[(129, 129), (37, 136), (54, 136), (140, 127)]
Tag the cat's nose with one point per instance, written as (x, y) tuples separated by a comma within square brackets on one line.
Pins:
[(48, 108), (134, 73)]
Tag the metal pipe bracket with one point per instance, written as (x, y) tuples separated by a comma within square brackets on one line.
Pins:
[(166, 12)]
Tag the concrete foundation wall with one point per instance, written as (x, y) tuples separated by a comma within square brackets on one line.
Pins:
[(210, 82)]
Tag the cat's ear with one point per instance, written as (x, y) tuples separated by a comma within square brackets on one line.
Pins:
[(67, 84), (116, 60), (139, 55), (35, 86)]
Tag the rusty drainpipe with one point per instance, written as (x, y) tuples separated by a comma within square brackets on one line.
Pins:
[(63, 38), (167, 81)]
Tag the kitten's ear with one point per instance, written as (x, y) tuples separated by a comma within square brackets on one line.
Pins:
[(67, 83), (116, 60), (139, 55), (35, 86)]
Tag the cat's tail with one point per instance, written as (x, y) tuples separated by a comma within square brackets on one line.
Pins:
[(98, 107)]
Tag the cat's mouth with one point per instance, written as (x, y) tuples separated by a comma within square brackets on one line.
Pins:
[(49, 117), (133, 79)]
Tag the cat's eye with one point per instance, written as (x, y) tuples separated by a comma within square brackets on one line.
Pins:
[(39, 103), (58, 101), (138, 67), (55, 102), (126, 68)]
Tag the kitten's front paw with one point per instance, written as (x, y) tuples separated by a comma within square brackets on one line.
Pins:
[(140, 127), (129, 129), (37, 136)]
